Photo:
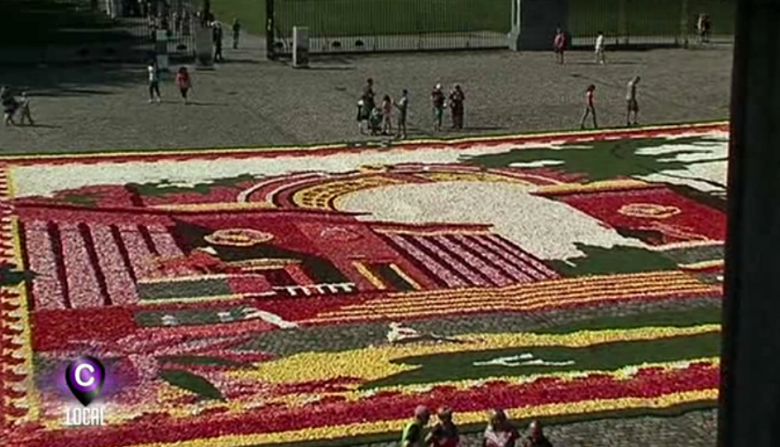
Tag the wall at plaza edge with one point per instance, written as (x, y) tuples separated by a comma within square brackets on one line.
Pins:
[(750, 387)]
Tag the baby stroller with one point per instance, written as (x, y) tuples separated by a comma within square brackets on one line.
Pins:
[(375, 121)]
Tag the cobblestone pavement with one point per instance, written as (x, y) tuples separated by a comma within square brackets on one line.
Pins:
[(248, 101), (693, 429)]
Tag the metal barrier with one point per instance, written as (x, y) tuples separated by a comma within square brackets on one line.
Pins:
[(338, 26), (397, 25)]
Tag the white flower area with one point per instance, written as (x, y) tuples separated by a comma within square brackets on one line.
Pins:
[(45, 180), (708, 164), (543, 227)]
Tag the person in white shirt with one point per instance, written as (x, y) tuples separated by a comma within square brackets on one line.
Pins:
[(154, 82), (600, 58), (631, 102), (26, 114)]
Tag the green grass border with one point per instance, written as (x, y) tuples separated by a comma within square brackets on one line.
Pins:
[(670, 412)]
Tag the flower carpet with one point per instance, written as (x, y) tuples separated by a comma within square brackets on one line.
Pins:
[(262, 297)]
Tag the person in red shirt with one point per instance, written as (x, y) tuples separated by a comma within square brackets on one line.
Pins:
[(590, 107), (184, 82), (445, 432), (559, 44)]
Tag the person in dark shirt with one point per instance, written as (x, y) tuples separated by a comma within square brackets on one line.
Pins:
[(369, 101), (457, 99), (217, 36), (536, 437), (437, 100), (236, 32), (445, 432)]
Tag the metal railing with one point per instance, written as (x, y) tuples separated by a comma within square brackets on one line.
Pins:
[(411, 25)]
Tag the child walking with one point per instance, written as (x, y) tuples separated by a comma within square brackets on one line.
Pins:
[(26, 114), (154, 82), (590, 107), (403, 107), (387, 115), (184, 82)]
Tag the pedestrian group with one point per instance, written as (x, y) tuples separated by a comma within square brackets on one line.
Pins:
[(378, 119), (13, 106), (499, 432)]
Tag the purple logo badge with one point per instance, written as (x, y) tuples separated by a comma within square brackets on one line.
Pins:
[(85, 377)]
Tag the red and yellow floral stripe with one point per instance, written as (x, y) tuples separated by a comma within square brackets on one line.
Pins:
[(557, 293), (382, 413)]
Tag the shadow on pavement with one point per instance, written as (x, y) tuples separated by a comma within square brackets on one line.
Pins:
[(70, 81), (33, 23)]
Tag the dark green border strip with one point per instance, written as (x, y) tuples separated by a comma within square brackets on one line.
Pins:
[(675, 411)]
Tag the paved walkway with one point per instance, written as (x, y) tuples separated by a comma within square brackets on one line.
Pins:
[(249, 101)]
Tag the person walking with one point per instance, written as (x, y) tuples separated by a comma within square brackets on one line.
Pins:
[(559, 44), (25, 112), (154, 82), (236, 32), (403, 106), (387, 115), (599, 49), (444, 433), (184, 82), (412, 435), (499, 432), (437, 100), (216, 35), (632, 105), (9, 104), (590, 107), (457, 98), (703, 28)]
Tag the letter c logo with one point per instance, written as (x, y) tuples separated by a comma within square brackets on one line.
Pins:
[(80, 368)]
